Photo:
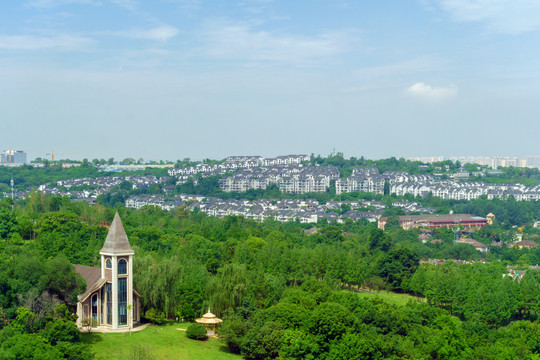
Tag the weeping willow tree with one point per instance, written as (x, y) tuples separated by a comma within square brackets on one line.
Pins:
[(164, 283), (227, 289)]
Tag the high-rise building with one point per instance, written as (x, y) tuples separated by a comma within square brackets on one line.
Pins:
[(13, 157)]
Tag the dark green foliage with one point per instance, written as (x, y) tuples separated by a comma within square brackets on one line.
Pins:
[(233, 330), (379, 240), (263, 342), (61, 331), (397, 267), (196, 332), (330, 321), (28, 347), (75, 351), (8, 224)]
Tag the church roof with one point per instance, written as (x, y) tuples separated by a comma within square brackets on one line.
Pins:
[(92, 276), (117, 241)]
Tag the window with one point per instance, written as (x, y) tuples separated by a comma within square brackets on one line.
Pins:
[(109, 303), (102, 293), (122, 267), (94, 310), (122, 301), (108, 264)]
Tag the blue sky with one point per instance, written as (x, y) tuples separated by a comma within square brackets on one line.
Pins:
[(169, 79)]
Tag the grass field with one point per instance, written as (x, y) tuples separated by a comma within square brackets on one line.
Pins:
[(160, 342), (390, 297)]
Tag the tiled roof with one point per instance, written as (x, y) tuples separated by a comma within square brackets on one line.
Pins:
[(92, 276)]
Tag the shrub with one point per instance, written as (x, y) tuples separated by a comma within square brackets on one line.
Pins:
[(155, 316), (196, 332), (61, 330)]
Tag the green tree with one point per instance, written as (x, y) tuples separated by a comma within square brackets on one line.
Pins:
[(8, 224)]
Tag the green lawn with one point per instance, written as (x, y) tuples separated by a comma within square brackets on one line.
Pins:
[(391, 297), (160, 342)]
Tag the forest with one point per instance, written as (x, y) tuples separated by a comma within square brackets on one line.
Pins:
[(283, 293)]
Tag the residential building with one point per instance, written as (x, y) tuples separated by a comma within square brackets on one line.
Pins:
[(436, 221)]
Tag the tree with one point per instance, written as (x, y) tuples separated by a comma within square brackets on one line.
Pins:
[(8, 224), (330, 321), (379, 240), (263, 342), (386, 190), (398, 266)]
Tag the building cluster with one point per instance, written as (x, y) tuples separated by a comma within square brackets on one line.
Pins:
[(88, 189), (458, 190), (492, 161), (302, 210), (292, 179), (362, 179), (234, 163)]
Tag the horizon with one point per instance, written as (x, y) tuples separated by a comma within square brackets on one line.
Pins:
[(345, 156)]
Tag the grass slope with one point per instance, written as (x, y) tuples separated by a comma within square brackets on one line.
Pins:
[(390, 297), (160, 342)]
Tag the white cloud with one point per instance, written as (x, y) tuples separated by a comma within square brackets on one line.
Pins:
[(160, 33), (130, 5), (63, 42), (49, 4), (502, 16), (416, 65), (242, 42), (429, 93)]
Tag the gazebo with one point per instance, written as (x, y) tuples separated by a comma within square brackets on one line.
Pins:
[(209, 321)]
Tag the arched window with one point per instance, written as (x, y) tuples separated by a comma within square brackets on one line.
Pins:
[(108, 264), (122, 267)]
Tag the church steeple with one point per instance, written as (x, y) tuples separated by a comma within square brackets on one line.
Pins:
[(117, 270), (116, 242)]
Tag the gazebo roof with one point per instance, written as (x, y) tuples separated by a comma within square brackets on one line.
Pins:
[(208, 319)]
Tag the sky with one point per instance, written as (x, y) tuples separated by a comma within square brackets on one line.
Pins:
[(175, 79)]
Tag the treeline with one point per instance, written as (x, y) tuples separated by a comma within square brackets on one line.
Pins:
[(480, 292), (29, 177), (315, 322), (346, 166)]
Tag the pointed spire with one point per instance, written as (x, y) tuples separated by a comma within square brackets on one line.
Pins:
[(117, 241)]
